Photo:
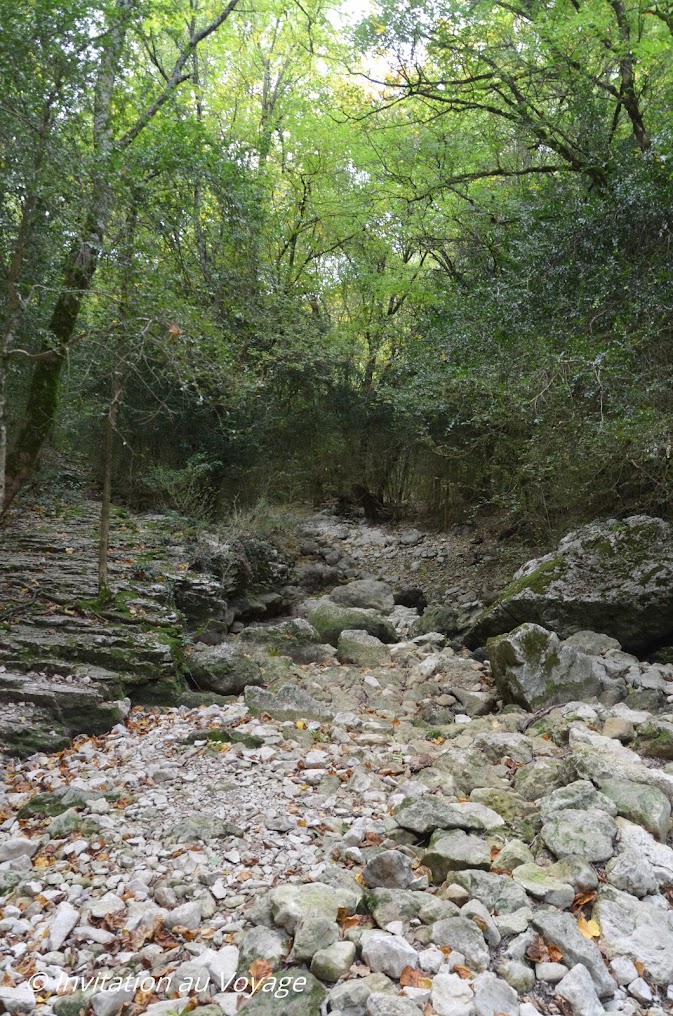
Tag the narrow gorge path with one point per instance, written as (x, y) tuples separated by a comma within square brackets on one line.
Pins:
[(365, 830)]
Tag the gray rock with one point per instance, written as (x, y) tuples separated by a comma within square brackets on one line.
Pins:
[(452, 996), (498, 893), (541, 777), (296, 638), (560, 929), (439, 619), (542, 886), (578, 989), (225, 669), (424, 815), (64, 824), (514, 854), (365, 593), (391, 869), (601, 758), (387, 954), (552, 973), (635, 839), (289, 903), (20, 846), (589, 834), (287, 703), (632, 873), (201, 826), (638, 930), (654, 739), (350, 998), (612, 576), (534, 669), (187, 915), (515, 923), (492, 995), (520, 816), (262, 943), (388, 905), (477, 912), (20, 999), (638, 803), (592, 643), (333, 962), (331, 619), (576, 871), (454, 851), (61, 924), (306, 996), (623, 969), (518, 974), (380, 1004), (110, 1001), (579, 795), (363, 650), (640, 990), (312, 932), (462, 934)]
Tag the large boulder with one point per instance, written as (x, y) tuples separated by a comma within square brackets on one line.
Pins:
[(225, 669), (361, 649), (612, 576), (534, 669), (330, 620), (296, 638), (366, 593)]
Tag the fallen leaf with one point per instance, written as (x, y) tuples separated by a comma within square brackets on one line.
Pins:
[(260, 970), (463, 972), (590, 929), (537, 951), (581, 900), (412, 978)]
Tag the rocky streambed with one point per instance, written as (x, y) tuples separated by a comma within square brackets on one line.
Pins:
[(352, 813)]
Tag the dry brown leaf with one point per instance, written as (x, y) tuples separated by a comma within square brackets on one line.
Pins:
[(537, 951), (581, 900), (555, 954), (412, 978), (260, 970), (463, 972), (494, 852)]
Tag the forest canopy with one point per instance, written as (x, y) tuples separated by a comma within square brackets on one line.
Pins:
[(417, 255)]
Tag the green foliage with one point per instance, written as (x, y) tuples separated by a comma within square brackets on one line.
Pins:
[(442, 290)]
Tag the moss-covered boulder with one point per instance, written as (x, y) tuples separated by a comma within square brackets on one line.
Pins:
[(296, 638), (225, 669), (446, 620), (330, 620), (654, 739), (611, 576), (534, 669)]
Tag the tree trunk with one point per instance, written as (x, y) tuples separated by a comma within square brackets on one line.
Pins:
[(43, 396)]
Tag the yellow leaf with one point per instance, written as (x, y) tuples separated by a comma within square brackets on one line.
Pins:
[(590, 929), (300, 724)]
